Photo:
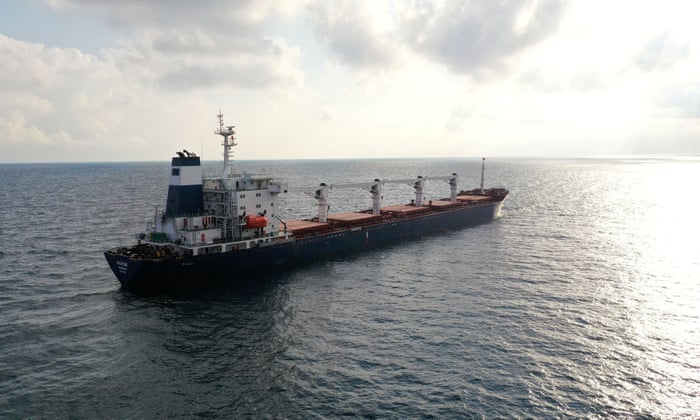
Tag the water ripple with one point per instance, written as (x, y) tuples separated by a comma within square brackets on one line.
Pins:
[(581, 301)]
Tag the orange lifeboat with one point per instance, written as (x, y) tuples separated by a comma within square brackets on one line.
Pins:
[(255, 221)]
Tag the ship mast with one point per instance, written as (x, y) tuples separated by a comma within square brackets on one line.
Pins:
[(228, 134)]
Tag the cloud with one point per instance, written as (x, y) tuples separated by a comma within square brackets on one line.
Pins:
[(661, 53), (63, 98), (27, 103), (28, 66), (183, 45), (473, 37), (477, 37), (217, 14), (15, 130), (49, 88), (346, 28), (129, 101), (172, 59)]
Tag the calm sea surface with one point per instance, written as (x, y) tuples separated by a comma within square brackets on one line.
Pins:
[(582, 300)]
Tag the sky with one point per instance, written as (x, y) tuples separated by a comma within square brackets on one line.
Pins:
[(129, 80)]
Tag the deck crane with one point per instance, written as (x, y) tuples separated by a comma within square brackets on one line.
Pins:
[(375, 188)]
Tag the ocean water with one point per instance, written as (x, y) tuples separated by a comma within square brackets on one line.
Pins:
[(582, 300)]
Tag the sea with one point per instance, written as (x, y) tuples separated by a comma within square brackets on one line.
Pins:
[(581, 300)]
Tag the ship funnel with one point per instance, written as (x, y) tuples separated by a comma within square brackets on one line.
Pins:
[(185, 189)]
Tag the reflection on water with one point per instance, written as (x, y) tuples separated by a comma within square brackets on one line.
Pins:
[(649, 224)]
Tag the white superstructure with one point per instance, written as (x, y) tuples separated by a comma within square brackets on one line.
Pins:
[(217, 213)]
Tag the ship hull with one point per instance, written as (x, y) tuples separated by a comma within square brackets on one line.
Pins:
[(136, 273)]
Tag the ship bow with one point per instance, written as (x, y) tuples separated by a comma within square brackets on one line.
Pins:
[(123, 267)]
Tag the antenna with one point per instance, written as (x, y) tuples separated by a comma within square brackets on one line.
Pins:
[(228, 133)]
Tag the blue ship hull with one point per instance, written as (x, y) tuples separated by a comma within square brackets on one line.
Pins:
[(134, 273)]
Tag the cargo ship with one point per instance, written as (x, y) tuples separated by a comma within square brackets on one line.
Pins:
[(228, 225)]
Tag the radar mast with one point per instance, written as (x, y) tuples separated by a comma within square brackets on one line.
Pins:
[(228, 133)]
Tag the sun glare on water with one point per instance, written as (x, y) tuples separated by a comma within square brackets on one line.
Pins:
[(656, 231)]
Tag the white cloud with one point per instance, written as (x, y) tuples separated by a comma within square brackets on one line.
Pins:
[(32, 67), (73, 104), (183, 45), (349, 31), (29, 142), (478, 37), (134, 101), (474, 37), (44, 88), (26, 103), (217, 14), (661, 53), (15, 130), (172, 59)]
